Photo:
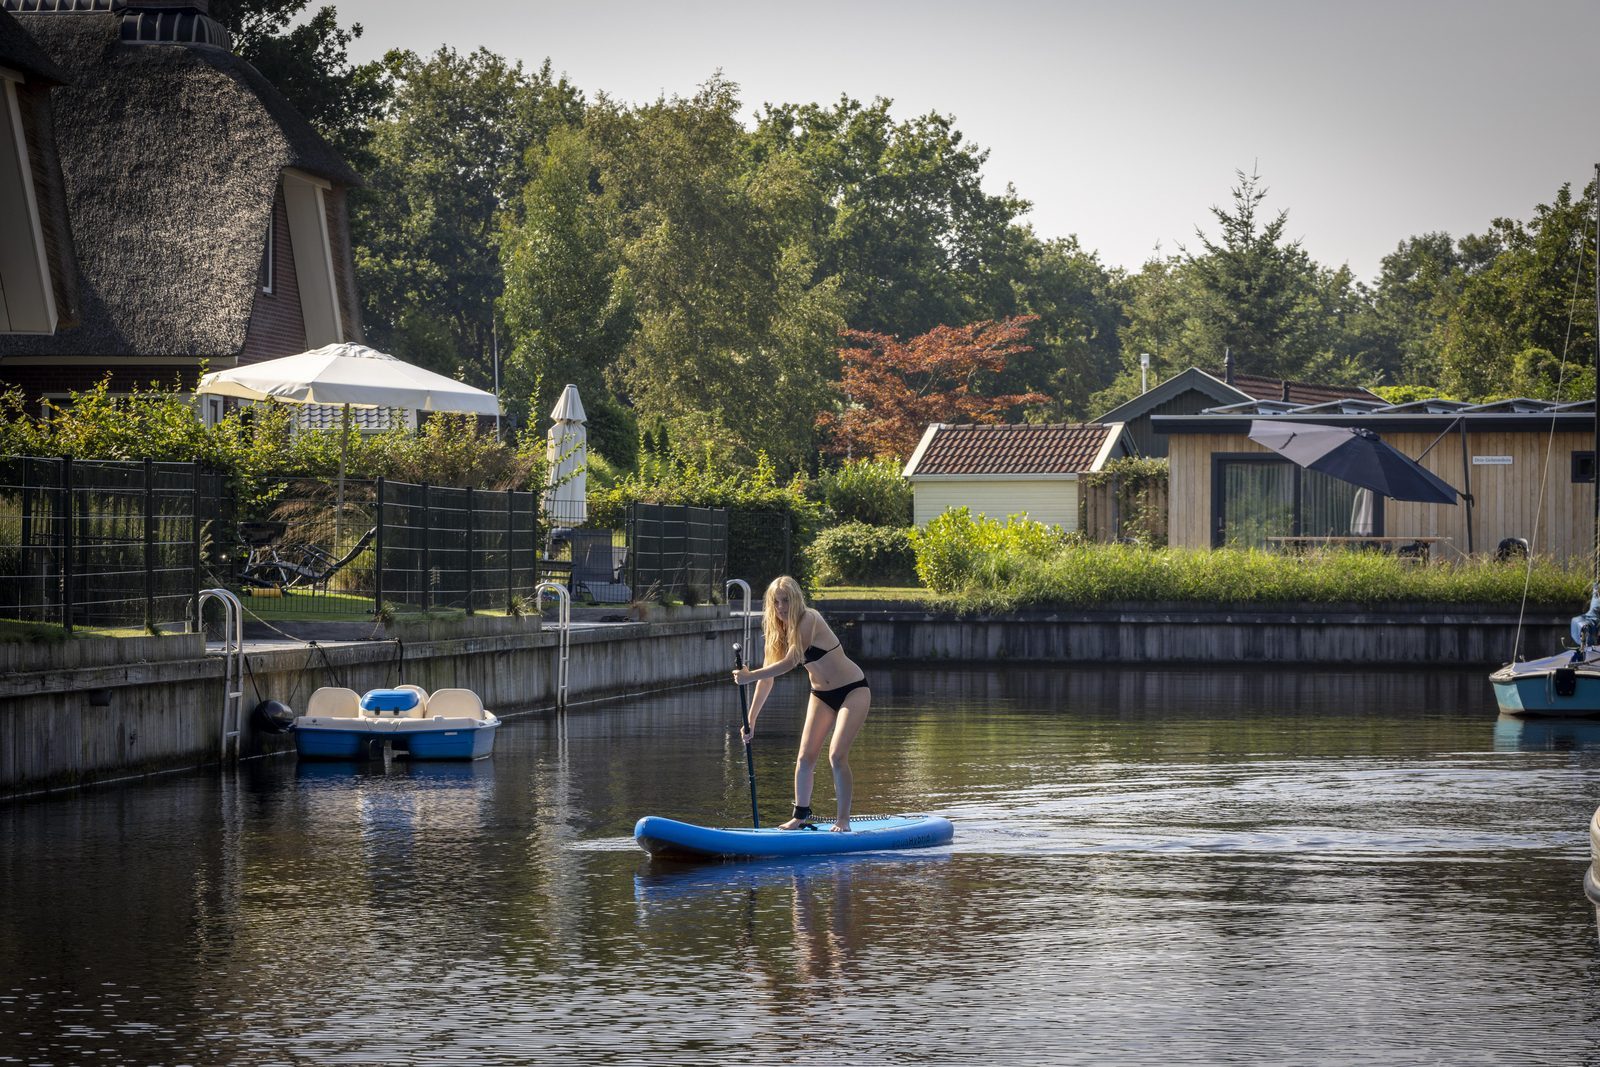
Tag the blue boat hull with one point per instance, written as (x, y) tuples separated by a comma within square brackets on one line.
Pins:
[(331, 744), (671, 839), (473, 742), (1554, 685)]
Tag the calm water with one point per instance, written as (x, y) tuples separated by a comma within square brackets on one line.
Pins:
[(1159, 867)]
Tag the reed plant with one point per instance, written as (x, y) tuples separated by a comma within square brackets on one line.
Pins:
[(1089, 575)]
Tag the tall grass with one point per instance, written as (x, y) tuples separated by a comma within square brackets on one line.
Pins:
[(1085, 575)]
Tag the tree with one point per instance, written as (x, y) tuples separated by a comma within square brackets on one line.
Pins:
[(565, 319), (902, 218), (735, 328), (1524, 323), (1075, 349), (1398, 333), (310, 65), (450, 166), (894, 390)]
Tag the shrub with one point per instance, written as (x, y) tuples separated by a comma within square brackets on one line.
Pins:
[(870, 491), (957, 548), (858, 554)]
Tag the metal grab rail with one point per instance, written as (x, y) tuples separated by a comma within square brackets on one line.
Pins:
[(727, 591), (564, 622), (233, 662)]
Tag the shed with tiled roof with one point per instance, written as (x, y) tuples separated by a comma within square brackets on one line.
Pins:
[(1009, 469)]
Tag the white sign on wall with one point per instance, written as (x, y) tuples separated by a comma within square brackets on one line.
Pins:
[(1491, 461)]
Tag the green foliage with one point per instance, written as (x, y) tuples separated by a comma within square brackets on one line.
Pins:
[(856, 553), (1528, 309), (1087, 575), (566, 320), (870, 491), (449, 168), (735, 325), (258, 445), (957, 549), (900, 212)]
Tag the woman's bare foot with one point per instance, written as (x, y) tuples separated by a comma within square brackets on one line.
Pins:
[(842, 828), (794, 824)]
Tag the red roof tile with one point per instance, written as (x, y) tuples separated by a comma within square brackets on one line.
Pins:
[(1054, 448)]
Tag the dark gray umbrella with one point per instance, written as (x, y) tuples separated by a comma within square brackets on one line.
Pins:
[(1354, 455)]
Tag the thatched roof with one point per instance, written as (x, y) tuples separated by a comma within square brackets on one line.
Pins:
[(170, 159), (18, 52)]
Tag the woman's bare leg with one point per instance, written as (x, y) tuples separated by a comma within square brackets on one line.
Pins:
[(819, 720), (850, 718)]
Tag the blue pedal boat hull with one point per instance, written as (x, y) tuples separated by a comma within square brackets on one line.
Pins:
[(458, 742), (331, 744), (670, 839)]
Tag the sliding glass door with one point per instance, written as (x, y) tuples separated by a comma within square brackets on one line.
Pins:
[(1256, 498)]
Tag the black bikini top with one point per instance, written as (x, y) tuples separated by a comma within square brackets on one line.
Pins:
[(813, 653)]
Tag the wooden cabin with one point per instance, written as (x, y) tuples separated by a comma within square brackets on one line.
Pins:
[(1196, 390), (1525, 467)]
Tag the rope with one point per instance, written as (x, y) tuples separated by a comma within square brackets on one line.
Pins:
[(1550, 441)]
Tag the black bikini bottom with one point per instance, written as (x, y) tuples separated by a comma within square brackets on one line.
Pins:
[(834, 698)]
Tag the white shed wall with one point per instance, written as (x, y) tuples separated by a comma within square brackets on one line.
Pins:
[(1053, 501)]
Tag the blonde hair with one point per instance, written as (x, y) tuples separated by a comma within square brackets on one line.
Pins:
[(782, 631)]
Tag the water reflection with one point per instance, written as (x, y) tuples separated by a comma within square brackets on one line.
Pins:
[(1512, 734), (1150, 867)]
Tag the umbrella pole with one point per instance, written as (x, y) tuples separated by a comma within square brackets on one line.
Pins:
[(338, 507)]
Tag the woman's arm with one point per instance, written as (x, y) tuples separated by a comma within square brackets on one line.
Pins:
[(771, 670)]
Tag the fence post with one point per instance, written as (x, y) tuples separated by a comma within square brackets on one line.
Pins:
[(68, 549), (511, 542), (26, 585), (471, 526), (427, 555), (377, 556), (194, 540), (150, 544)]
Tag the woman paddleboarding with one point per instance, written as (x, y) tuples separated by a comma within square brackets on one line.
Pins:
[(840, 697)]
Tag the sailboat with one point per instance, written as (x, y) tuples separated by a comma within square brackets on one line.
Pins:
[(1566, 684)]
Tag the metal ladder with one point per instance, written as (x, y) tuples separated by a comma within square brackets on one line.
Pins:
[(564, 623), (727, 592), (233, 663)]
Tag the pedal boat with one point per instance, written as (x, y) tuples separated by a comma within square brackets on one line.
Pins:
[(451, 724)]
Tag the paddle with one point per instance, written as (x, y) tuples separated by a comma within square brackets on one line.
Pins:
[(744, 720)]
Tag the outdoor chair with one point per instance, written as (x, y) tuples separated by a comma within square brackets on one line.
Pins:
[(598, 568)]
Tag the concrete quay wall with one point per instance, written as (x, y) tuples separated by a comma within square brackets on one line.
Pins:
[(64, 724)]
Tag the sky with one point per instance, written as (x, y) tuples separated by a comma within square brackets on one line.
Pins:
[(1124, 122)]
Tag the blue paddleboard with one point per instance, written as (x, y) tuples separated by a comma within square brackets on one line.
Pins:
[(671, 839)]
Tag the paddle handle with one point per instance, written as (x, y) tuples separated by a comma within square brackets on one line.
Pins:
[(744, 721)]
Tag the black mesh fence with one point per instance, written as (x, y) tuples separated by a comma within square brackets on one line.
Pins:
[(676, 552), (102, 544), (321, 551)]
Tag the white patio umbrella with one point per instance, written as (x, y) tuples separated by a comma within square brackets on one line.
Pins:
[(348, 375), (566, 497)]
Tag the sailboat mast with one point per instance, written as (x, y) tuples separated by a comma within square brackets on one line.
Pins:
[(1594, 530)]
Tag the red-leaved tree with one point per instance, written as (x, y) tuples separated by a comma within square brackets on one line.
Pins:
[(893, 389)]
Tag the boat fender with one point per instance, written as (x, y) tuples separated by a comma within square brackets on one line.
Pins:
[(274, 716)]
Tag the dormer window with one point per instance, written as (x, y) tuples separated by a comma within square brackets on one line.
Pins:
[(307, 206), (267, 253), (27, 299)]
